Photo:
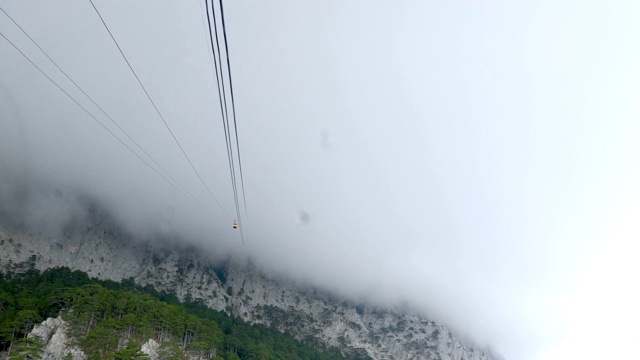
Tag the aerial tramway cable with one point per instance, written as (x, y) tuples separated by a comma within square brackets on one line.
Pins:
[(99, 122), (222, 97), (156, 108), (233, 103), (102, 110), (223, 103)]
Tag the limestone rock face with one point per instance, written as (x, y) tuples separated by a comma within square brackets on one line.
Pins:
[(151, 348), (105, 252), (57, 344), (53, 333)]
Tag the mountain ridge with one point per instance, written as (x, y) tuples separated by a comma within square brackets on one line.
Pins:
[(103, 250)]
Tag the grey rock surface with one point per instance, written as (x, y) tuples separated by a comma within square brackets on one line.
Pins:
[(56, 343), (151, 348), (105, 252)]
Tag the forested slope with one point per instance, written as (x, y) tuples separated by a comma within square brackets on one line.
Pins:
[(321, 319), (112, 320)]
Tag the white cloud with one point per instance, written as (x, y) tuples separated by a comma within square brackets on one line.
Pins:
[(477, 158)]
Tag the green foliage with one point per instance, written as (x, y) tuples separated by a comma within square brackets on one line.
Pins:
[(104, 316), (105, 312), (30, 297), (26, 348), (130, 352)]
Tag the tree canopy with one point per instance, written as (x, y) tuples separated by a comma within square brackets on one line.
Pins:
[(114, 320)]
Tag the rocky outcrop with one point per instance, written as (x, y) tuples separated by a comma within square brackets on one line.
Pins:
[(151, 348), (56, 343), (105, 252)]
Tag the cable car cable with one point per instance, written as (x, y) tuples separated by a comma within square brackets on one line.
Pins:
[(98, 121), (233, 105), (156, 108), (224, 111), (99, 107), (221, 95)]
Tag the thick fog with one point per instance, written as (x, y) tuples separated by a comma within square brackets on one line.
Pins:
[(476, 160)]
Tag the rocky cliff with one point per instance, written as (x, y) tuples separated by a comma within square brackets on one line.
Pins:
[(102, 250), (56, 343)]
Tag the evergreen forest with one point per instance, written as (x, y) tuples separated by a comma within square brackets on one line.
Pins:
[(112, 320)]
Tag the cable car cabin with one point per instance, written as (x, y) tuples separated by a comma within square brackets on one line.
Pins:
[(235, 224)]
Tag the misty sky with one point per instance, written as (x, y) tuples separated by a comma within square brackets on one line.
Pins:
[(478, 159)]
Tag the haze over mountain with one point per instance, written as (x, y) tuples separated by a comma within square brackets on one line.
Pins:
[(474, 159)]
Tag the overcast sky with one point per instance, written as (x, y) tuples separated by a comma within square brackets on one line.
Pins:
[(478, 159)]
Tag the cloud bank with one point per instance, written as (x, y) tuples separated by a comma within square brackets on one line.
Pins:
[(467, 158)]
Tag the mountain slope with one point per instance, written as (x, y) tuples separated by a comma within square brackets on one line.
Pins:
[(102, 250), (102, 319)]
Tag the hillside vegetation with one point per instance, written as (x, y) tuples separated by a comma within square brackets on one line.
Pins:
[(112, 320)]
